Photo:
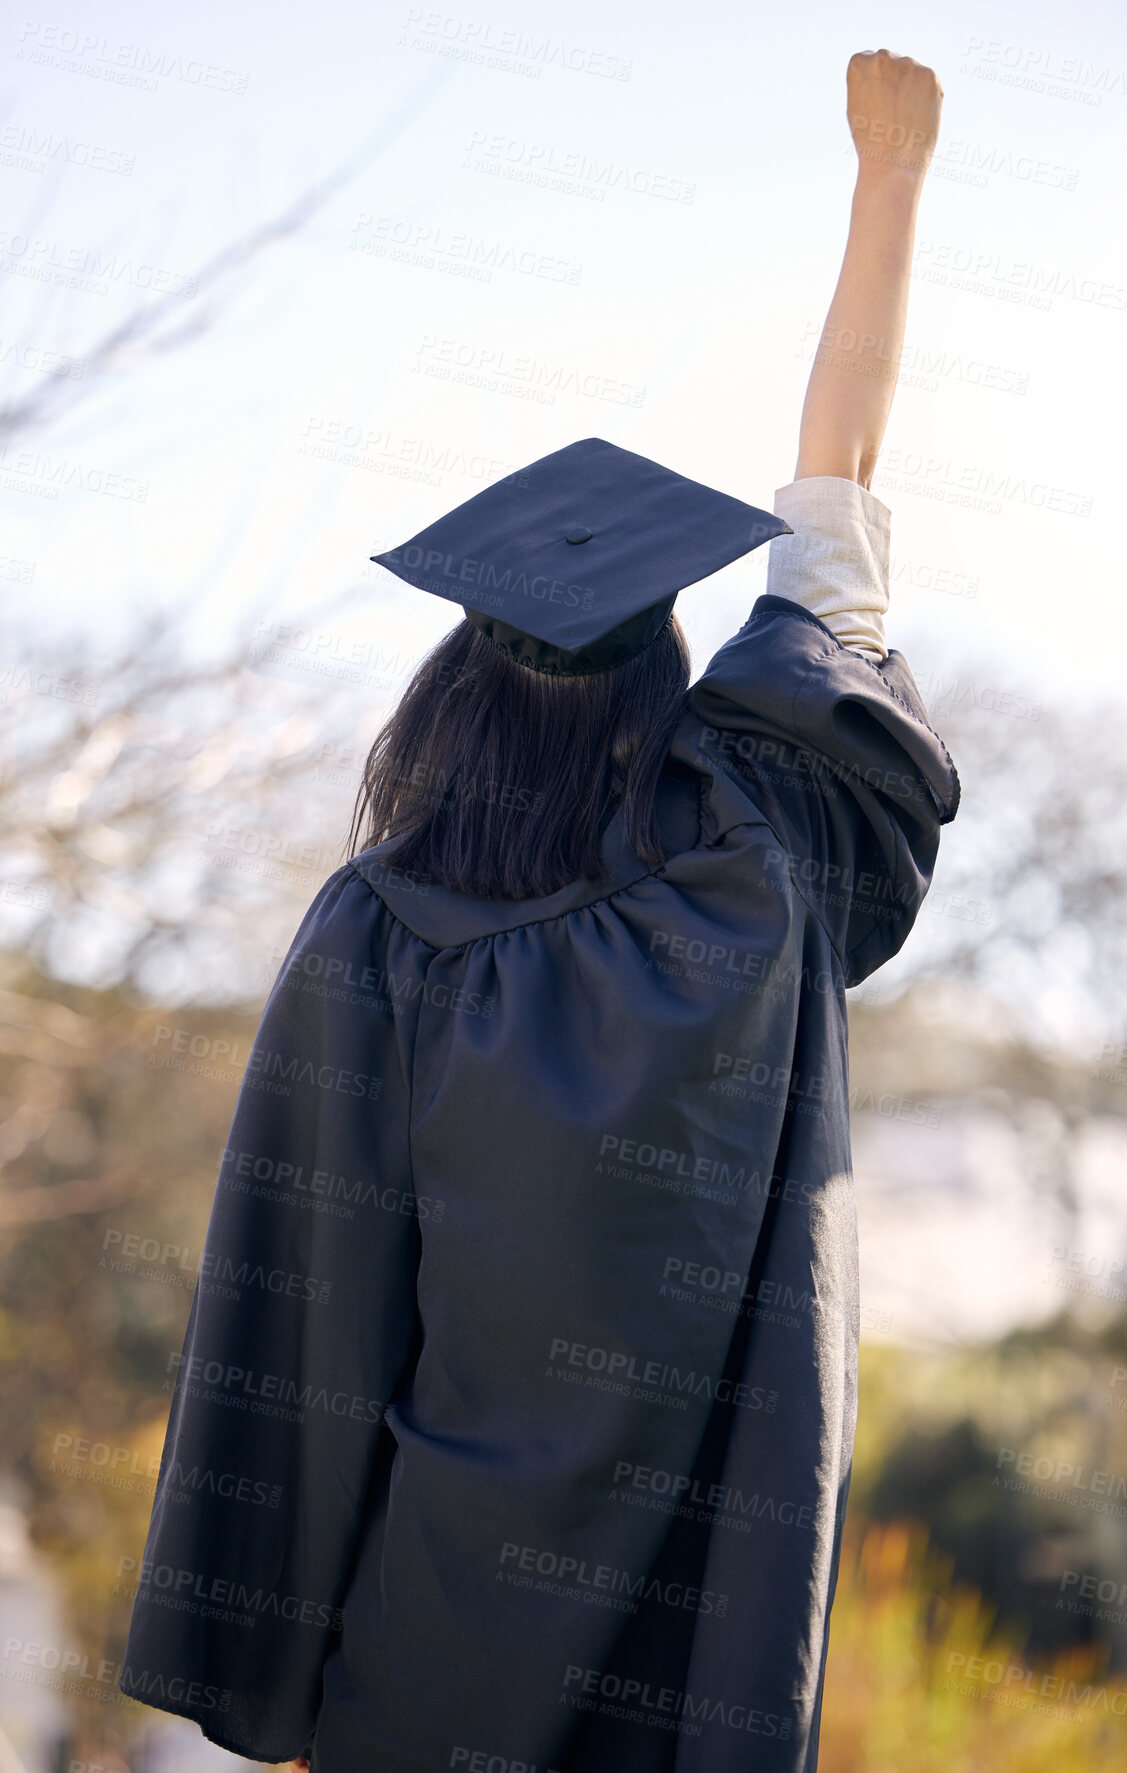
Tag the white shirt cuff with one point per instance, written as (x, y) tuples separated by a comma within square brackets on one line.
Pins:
[(836, 563)]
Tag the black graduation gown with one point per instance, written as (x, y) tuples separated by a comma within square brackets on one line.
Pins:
[(513, 1424)]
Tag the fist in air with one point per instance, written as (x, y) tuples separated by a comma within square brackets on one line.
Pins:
[(893, 104)]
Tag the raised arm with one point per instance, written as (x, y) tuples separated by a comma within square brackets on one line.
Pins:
[(893, 105)]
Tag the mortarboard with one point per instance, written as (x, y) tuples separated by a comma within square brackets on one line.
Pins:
[(573, 564)]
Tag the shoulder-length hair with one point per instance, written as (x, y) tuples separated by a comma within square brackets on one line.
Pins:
[(501, 779)]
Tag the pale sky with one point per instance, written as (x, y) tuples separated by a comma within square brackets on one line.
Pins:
[(653, 201)]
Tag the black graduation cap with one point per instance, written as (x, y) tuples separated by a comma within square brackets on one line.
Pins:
[(573, 564)]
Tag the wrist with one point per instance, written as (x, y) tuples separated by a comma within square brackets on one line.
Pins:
[(889, 170)]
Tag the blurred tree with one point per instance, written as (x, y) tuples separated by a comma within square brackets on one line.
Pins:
[(1028, 895), (1013, 1459), (922, 1678)]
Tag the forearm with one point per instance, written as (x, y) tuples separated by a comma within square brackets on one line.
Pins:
[(853, 378), (893, 103)]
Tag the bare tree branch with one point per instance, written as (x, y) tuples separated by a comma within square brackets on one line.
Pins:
[(151, 330)]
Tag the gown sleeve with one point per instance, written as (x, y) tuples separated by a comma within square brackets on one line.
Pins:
[(301, 1324), (837, 752), (835, 562)]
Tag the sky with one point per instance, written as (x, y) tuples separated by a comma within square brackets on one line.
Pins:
[(614, 220)]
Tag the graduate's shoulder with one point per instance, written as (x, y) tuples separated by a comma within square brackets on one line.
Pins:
[(769, 661), (392, 891), (380, 871), (786, 672), (357, 895)]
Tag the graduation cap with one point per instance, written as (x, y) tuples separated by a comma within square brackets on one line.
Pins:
[(573, 564)]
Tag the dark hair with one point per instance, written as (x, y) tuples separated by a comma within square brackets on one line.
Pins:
[(502, 779)]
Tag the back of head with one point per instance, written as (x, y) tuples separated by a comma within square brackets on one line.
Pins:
[(500, 780)]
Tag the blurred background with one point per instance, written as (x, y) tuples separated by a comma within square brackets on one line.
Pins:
[(282, 284)]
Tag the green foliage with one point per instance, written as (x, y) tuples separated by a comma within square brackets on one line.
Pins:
[(921, 1680)]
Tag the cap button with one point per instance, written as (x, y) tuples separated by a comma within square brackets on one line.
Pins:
[(579, 533)]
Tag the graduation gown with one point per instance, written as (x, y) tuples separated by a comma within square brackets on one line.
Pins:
[(513, 1423)]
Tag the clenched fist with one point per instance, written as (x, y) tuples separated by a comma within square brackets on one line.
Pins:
[(893, 104)]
